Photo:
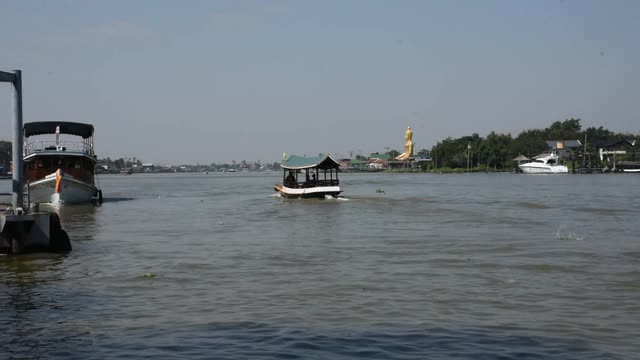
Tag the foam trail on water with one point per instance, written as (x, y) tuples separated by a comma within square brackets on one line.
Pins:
[(567, 236)]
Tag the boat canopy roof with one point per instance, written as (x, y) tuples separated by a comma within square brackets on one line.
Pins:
[(323, 161), (608, 144), (521, 158), (66, 127)]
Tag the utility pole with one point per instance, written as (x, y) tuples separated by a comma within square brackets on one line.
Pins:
[(584, 152), (468, 156)]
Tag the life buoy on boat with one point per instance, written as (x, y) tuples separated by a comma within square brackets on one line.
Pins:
[(58, 180)]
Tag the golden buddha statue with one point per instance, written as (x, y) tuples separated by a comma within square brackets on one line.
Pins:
[(408, 145)]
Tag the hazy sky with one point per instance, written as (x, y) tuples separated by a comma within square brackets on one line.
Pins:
[(215, 81)]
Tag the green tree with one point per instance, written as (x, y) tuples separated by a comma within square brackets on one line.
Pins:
[(569, 129), (529, 143), (495, 150), (393, 153), (119, 164)]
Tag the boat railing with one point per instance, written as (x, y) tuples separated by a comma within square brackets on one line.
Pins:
[(311, 183), (333, 182), (51, 145)]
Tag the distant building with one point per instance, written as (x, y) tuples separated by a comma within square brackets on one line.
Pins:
[(344, 164), (377, 164), (380, 156), (564, 148), (358, 164), (148, 167)]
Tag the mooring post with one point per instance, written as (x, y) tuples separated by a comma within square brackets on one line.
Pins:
[(17, 139), (15, 78), (23, 231)]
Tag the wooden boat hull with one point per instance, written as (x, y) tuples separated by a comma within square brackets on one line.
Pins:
[(319, 192), (70, 190)]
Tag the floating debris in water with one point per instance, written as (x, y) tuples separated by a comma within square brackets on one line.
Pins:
[(379, 191), (149, 275)]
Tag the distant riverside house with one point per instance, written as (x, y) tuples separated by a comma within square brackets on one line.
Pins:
[(358, 164), (422, 158), (148, 167), (344, 164), (379, 156), (564, 148), (421, 161), (377, 164)]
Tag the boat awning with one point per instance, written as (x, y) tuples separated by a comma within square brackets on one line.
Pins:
[(608, 144), (324, 161), (66, 127)]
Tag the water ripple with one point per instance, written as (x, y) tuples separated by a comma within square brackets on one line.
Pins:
[(254, 340)]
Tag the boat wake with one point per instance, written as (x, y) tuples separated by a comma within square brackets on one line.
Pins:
[(339, 198), (560, 235)]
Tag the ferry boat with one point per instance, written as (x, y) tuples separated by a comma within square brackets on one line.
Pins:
[(545, 164), (309, 177), (60, 171)]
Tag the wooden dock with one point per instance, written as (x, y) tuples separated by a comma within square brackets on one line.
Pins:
[(20, 229)]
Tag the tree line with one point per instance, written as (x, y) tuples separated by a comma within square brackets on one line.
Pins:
[(497, 151)]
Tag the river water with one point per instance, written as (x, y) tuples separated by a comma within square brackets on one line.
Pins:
[(405, 266)]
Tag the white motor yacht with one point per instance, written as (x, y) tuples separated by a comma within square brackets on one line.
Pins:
[(546, 164)]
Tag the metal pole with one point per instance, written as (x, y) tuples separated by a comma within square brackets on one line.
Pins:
[(17, 143)]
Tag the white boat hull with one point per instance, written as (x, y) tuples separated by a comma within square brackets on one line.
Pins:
[(631, 170), (312, 192), (72, 191), (543, 169)]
